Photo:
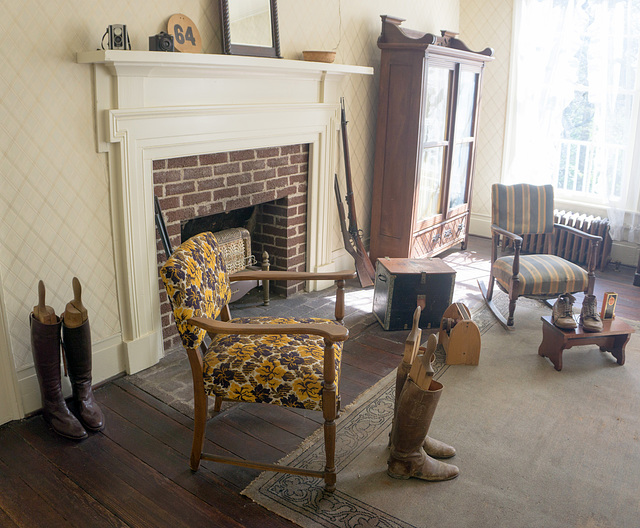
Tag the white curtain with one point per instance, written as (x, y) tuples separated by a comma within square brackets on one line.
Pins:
[(573, 104)]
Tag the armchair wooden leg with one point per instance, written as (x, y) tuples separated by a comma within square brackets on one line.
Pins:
[(512, 309), (492, 281), (329, 411), (200, 408), (199, 427)]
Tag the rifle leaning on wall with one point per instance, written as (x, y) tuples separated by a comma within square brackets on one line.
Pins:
[(352, 239)]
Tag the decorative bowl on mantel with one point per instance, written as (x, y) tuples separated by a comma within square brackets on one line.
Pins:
[(319, 56)]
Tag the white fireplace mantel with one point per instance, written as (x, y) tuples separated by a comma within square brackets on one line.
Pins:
[(157, 105)]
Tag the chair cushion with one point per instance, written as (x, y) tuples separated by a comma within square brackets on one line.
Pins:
[(542, 275), (284, 370)]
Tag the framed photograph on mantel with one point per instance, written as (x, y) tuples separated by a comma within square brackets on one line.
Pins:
[(250, 27)]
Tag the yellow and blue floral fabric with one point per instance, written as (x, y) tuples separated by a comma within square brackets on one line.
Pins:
[(284, 370), (197, 285)]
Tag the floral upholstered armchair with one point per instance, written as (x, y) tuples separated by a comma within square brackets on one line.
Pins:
[(287, 361)]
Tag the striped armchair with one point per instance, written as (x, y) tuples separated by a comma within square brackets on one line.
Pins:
[(524, 209)]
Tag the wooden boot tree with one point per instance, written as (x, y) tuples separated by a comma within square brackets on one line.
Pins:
[(459, 336), (75, 314), (421, 371), (41, 312)]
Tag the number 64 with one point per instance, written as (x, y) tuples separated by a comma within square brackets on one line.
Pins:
[(182, 37)]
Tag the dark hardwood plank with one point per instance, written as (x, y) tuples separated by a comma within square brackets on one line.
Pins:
[(365, 357), (22, 505), (262, 430), (301, 423), (53, 487), (172, 464), (178, 436), (123, 484), (5, 520)]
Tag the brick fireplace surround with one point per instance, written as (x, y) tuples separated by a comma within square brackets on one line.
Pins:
[(274, 178)]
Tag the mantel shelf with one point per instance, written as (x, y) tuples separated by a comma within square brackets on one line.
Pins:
[(163, 64)]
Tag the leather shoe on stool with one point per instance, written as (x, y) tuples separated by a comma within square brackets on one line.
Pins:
[(589, 316), (562, 315)]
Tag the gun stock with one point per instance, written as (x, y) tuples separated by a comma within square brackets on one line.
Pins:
[(353, 221), (359, 255)]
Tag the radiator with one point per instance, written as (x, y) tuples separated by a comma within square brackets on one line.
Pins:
[(571, 247)]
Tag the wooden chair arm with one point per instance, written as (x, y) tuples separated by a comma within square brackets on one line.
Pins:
[(332, 332), (512, 236), (290, 275), (574, 231)]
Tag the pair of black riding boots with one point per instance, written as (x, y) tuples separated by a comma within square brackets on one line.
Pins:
[(76, 343)]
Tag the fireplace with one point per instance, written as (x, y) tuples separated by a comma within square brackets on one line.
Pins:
[(152, 106), (263, 189)]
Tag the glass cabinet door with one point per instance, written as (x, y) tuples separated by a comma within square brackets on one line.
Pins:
[(464, 139), (434, 142)]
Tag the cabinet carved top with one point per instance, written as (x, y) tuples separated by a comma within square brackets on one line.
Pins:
[(395, 36)]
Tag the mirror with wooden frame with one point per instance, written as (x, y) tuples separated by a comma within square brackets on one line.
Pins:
[(250, 27)]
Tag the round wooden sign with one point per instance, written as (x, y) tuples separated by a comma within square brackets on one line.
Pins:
[(186, 36)]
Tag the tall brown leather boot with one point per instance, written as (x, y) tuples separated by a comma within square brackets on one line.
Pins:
[(432, 447), (45, 344), (407, 458), (77, 349)]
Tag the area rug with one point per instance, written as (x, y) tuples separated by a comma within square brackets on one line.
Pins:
[(536, 447)]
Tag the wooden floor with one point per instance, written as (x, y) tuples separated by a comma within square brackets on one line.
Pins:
[(135, 473)]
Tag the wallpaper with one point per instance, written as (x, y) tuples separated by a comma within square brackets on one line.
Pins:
[(55, 220)]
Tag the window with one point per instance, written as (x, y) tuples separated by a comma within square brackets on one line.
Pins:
[(574, 100)]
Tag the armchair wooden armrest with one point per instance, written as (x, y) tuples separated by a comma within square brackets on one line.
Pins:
[(332, 332), (512, 236), (574, 231), (291, 275)]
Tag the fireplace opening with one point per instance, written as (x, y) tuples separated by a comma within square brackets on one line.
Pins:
[(263, 190), (245, 217)]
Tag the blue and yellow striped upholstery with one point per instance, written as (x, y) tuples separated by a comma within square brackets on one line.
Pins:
[(522, 208), (541, 275), (285, 370)]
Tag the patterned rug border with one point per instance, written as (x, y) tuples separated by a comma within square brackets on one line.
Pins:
[(359, 425)]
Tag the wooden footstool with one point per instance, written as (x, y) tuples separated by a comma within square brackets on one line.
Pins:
[(613, 338)]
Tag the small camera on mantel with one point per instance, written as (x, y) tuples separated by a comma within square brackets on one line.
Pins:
[(118, 37), (161, 42)]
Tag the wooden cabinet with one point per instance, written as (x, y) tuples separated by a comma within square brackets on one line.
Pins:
[(425, 142)]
